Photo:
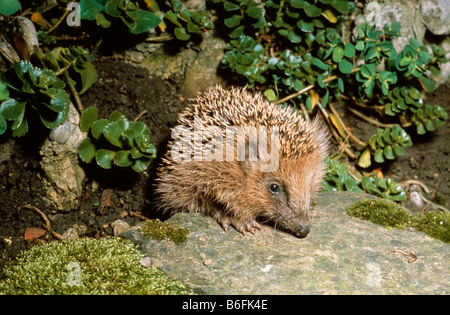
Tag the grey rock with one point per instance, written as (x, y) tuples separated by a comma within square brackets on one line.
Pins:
[(203, 72), (342, 255), (119, 227), (436, 16), (60, 163)]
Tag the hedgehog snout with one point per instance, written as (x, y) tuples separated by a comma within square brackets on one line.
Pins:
[(302, 230)]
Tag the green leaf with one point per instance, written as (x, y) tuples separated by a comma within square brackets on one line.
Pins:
[(86, 150), (192, 28), (378, 156), (141, 164), (317, 62), (229, 6), (98, 127), (113, 132), (338, 54), (88, 117), (233, 21), (20, 129), (305, 26), (9, 7), (112, 9), (123, 158), (238, 31), (3, 125), (88, 77), (325, 99), (4, 92), (181, 33), (343, 6), (349, 50), (254, 12), (270, 95), (145, 21), (90, 8), (420, 128), (103, 21), (299, 4), (429, 85), (13, 110), (388, 152), (312, 11), (173, 17), (294, 37), (345, 66), (105, 158), (398, 150), (341, 85)]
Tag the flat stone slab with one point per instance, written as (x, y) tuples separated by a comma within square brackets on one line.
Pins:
[(341, 255)]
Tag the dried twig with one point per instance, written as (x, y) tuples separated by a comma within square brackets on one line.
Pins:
[(140, 115), (335, 135), (77, 98), (44, 217), (51, 29), (349, 133), (370, 120), (139, 216)]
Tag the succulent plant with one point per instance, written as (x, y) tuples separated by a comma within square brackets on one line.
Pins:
[(115, 141), (107, 11), (339, 178), (72, 65), (32, 89)]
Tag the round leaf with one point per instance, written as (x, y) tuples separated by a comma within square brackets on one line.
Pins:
[(181, 34), (141, 164), (294, 37), (98, 127), (113, 132), (270, 95), (312, 11), (365, 159), (345, 66), (388, 152), (86, 150), (9, 7), (105, 158), (123, 158), (88, 117)]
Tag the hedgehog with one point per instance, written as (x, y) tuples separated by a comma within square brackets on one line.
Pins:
[(241, 189)]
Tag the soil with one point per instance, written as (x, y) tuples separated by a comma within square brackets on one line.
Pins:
[(111, 195)]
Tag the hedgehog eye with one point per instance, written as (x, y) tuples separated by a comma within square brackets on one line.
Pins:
[(274, 188)]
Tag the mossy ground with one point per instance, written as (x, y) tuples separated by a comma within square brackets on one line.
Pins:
[(391, 215), (161, 230), (85, 266)]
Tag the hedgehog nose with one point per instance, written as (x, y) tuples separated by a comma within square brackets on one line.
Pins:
[(301, 231)]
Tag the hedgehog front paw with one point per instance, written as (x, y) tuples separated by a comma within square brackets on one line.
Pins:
[(240, 225)]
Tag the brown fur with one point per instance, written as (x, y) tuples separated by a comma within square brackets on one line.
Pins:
[(237, 192)]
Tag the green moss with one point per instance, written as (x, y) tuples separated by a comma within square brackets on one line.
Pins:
[(85, 266), (389, 214), (435, 224), (161, 230), (381, 211)]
